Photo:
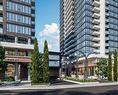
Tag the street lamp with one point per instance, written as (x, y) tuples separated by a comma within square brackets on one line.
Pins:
[(64, 64), (61, 68), (66, 61), (69, 61), (86, 63), (67, 69)]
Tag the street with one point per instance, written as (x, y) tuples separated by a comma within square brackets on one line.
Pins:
[(101, 90)]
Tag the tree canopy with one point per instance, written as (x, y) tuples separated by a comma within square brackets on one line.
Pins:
[(36, 65), (102, 68), (46, 63)]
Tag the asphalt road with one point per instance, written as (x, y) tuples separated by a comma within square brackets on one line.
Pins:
[(104, 90)]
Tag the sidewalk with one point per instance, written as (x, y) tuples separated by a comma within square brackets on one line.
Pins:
[(49, 87)]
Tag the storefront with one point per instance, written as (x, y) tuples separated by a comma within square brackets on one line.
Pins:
[(78, 68), (17, 67)]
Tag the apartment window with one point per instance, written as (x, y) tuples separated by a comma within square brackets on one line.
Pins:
[(22, 40), (26, 1), (10, 52), (18, 18), (18, 7), (18, 29)]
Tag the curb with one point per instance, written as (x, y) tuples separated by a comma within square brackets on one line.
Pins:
[(72, 81), (56, 87)]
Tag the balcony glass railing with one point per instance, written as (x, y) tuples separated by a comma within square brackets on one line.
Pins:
[(1, 30), (18, 54), (1, 7), (1, 19)]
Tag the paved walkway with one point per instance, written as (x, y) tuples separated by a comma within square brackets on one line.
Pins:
[(41, 87), (79, 82)]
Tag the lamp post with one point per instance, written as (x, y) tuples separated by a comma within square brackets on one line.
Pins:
[(60, 71), (68, 69), (65, 60), (64, 64), (67, 65), (86, 63), (69, 61)]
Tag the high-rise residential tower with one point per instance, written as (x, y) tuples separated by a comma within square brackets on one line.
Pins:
[(17, 33), (88, 26)]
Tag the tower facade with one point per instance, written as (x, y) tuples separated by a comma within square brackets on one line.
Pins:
[(17, 33), (88, 27)]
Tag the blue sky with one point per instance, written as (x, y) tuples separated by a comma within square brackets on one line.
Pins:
[(47, 23)]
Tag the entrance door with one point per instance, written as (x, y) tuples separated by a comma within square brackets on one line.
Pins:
[(24, 71)]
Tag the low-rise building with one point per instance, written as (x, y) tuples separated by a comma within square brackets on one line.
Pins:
[(54, 64)]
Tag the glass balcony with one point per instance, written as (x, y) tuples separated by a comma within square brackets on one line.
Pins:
[(96, 45), (1, 30), (95, 33), (95, 21), (1, 19), (96, 16), (96, 3), (1, 7), (33, 0), (96, 50), (96, 39), (96, 10), (33, 8), (96, 27), (33, 22)]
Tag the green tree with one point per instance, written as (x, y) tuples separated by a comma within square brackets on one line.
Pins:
[(115, 65), (101, 70), (36, 65), (3, 65), (110, 67), (46, 63), (2, 53)]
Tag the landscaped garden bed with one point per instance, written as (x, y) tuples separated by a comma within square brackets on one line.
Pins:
[(81, 80)]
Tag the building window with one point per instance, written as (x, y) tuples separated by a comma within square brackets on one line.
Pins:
[(18, 29), (19, 18), (18, 7)]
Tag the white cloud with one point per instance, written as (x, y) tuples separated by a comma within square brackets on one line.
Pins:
[(49, 46), (51, 34), (49, 29)]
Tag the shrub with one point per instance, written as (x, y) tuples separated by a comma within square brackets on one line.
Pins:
[(81, 80), (9, 79)]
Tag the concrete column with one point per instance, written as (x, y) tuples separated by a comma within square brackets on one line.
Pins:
[(29, 74), (16, 71), (19, 71), (29, 41), (60, 73), (94, 68), (16, 52), (16, 39)]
